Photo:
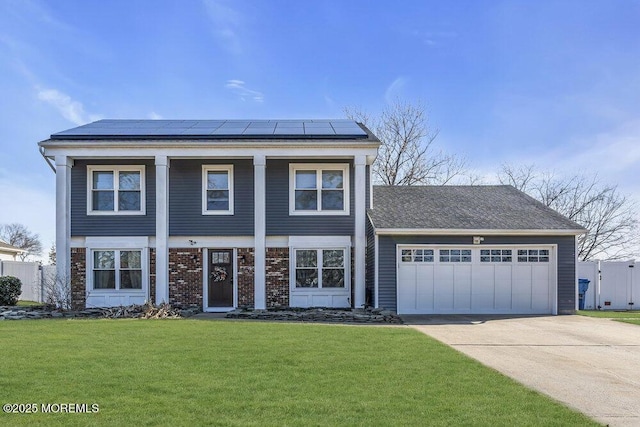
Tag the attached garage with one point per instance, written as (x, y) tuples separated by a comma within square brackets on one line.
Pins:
[(469, 250), (465, 279)]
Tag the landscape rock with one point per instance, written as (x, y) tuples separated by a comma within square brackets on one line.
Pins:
[(144, 311), (319, 314)]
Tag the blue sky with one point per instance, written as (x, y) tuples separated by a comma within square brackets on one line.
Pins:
[(556, 83)]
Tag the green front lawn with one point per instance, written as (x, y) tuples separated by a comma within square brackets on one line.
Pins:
[(632, 317), (193, 372), (608, 314)]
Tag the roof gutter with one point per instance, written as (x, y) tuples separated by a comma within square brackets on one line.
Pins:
[(46, 159)]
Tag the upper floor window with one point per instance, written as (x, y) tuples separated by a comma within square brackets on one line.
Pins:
[(217, 185), (115, 190), (319, 189)]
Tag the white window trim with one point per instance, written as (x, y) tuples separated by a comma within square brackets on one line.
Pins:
[(347, 271), (144, 261), (229, 170), (116, 169), (318, 168)]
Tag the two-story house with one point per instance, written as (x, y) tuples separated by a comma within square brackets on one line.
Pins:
[(264, 213)]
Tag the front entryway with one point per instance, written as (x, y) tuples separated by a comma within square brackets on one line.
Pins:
[(220, 283)]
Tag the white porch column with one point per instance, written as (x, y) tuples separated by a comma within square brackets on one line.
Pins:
[(162, 229), (360, 231), (63, 218), (260, 230)]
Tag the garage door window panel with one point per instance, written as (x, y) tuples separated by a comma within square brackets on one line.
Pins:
[(496, 255), (533, 255), (455, 255), (417, 255)]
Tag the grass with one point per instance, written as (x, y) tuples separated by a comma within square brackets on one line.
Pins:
[(632, 317), (610, 314), (194, 372), (25, 303)]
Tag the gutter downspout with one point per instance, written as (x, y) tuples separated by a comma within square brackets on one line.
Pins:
[(46, 159)]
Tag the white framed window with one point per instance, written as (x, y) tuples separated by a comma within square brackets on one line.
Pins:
[(217, 189), (117, 269), (318, 189), (115, 190), (320, 268)]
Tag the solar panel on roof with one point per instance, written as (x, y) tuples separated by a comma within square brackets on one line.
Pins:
[(289, 125), (228, 131), (112, 128)]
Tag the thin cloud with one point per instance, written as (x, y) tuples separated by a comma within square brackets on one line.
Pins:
[(434, 38), (67, 107), (243, 92), (395, 90), (227, 25), (154, 116)]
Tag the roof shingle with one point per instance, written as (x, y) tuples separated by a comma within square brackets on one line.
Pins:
[(491, 207)]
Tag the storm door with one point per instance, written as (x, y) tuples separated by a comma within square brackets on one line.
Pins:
[(220, 292)]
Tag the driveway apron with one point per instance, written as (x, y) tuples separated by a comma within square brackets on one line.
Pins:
[(592, 365)]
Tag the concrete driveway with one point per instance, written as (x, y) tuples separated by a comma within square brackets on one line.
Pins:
[(592, 365)]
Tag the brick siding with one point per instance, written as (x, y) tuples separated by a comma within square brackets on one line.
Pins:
[(246, 277), (277, 277), (185, 276), (78, 278)]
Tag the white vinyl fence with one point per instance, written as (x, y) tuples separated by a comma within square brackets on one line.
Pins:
[(32, 276), (615, 285)]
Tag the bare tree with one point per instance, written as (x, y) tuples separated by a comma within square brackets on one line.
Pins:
[(52, 254), (57, 290), (609, 217), (407, 155), (19, 236)]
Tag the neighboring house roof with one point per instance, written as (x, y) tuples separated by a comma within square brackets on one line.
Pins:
[(471, 208), (217, 129), (5, 247)]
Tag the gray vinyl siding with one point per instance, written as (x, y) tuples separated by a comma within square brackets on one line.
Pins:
[(566, 262), (280, 223), (185, 200), (370, 264), (111, 225)]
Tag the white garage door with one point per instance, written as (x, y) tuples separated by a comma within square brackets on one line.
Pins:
[(462, 279)]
